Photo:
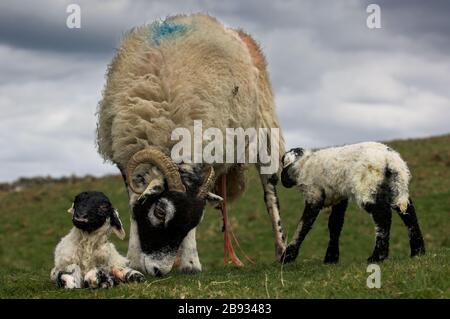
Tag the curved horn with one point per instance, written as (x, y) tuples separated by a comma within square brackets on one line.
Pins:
[(155, 157), (208, 182)]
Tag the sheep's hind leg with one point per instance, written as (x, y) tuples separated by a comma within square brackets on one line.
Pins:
[(335, 223), (409, 218), (269, 183), (304, 226), (382, 216)]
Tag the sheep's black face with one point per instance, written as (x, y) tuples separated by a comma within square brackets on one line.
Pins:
[(287, 160), (163, 221), (91, 210), (165, 218)]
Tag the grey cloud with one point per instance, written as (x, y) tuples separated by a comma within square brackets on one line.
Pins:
[(335, 80)]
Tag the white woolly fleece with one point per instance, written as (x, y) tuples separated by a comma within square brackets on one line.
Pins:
[(166, 75), (351, 171), (88, 251)]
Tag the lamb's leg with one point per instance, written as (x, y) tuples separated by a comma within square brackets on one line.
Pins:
[(98, 278), (125, 274), (409, 218), (382, 216), (69, 277), (189, 261), (119, 268), (335, 223), (269, 183), (304, 226)]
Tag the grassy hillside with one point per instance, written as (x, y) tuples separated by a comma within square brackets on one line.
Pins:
[(32, 222)]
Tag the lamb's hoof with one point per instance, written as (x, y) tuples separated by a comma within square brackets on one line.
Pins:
[(289, 255), (329, 260), (98, 279), (331, 257), (419, 251), (135, 276), (107, 284), (66, 281), (376, 258)]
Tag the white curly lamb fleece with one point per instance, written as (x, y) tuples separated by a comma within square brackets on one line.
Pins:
[(85, 257), (371, 174), (82, 256), (351, 171)]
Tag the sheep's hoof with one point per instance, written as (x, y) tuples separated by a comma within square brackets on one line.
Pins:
[(289, 255), (190, 271), (135, 276), (191, 268)]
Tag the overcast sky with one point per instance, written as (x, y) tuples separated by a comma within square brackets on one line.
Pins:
[(335, 80)]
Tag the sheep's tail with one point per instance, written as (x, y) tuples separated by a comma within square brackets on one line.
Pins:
[(400, 176)]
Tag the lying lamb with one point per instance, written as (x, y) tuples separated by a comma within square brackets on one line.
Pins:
[(371, 174), (85, 257)]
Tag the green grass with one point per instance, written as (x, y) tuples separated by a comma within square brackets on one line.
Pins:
[(33, 221)]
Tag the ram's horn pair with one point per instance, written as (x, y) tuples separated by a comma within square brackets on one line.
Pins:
[(169, 170)]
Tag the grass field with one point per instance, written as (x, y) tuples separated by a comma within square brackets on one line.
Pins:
[(33, 221)]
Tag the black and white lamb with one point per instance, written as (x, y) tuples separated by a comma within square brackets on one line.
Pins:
[(371, 174), (85, 257)]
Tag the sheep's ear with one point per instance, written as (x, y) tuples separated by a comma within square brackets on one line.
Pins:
[(70, 210), (214, 199), (116, 224)]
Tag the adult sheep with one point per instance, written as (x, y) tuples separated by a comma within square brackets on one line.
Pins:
[(164, 76)]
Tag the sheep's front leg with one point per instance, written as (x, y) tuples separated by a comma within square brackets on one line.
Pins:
[(304, 226), (98, 278), (69, 277), (189, 261), (269, 183), (335, 223)]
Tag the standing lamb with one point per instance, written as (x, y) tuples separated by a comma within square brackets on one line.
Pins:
[(85, 257), (165, 76), (371, 174)]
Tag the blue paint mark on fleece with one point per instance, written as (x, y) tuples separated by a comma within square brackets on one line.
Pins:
[(163, 30)]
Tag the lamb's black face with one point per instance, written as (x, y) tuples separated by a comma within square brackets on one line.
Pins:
[(90, 210), (292, 155), (287, 160)]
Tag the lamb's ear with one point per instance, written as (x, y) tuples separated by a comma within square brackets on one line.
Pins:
[(70, 210), (286, 178), (116, 224)]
